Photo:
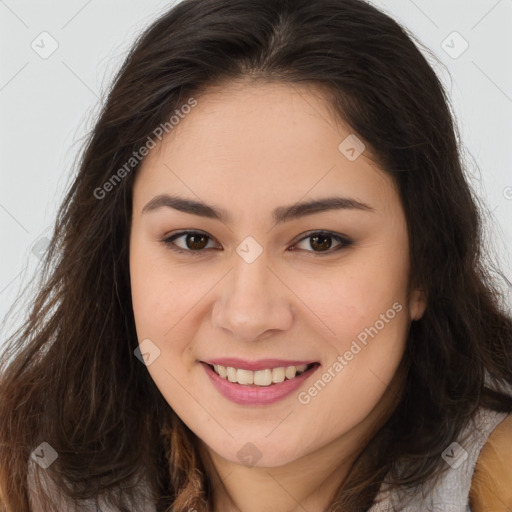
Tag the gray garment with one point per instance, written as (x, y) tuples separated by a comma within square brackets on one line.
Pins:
[(451, 491), (450, 494), (61, 503)]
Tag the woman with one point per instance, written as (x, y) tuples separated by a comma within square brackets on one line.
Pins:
[(268, 290)]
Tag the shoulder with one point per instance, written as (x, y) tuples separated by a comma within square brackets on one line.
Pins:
[(491, 487)]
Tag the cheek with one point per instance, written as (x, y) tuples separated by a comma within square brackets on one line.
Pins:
[(154, 291), (365, 308), (357, 296), (166, 301), (367, 315)]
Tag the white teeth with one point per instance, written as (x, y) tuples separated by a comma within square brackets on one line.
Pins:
[(290, 372), (260, 377), (221, 370), (278, 375), (231, 374), (244, 377)]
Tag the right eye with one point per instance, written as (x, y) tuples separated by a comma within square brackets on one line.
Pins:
[(193, 242)]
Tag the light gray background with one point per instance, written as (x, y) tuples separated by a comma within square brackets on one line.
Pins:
[(48, 105)]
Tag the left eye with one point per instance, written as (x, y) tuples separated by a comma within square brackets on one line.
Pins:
[(195, 242), (321, 240)]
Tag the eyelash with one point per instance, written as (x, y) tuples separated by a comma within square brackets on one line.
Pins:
[(345, 242)]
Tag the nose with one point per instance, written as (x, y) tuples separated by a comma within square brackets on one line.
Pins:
[(253, 302)]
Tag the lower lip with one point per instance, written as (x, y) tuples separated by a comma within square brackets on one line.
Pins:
[(256, 395)]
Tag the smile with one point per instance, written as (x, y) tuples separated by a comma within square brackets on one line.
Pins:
[(258, 387), (265, 377)]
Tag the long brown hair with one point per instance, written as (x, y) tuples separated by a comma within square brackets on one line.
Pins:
[(69, 376)]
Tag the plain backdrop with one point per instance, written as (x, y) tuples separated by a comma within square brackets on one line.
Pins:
[(58, 57)]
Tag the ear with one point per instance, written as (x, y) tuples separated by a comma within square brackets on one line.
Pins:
[(417, 303)]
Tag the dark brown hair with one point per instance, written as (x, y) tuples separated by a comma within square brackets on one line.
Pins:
[(68, 374)]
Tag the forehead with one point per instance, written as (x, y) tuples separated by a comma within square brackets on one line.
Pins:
[(251, 144)]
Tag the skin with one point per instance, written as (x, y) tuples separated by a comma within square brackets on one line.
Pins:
[(249, 148)]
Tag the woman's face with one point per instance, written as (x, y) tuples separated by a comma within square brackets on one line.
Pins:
[(256, 286)]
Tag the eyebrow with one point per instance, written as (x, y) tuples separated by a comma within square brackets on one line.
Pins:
[(279, 215)]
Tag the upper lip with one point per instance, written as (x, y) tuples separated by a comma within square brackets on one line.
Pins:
[(260, 364)]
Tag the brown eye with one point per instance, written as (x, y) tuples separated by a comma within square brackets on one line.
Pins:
[(322, 242), (195, 242), (192, 241)]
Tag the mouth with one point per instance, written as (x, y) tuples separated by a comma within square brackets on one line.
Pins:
[(250, 388), (265, 377)]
